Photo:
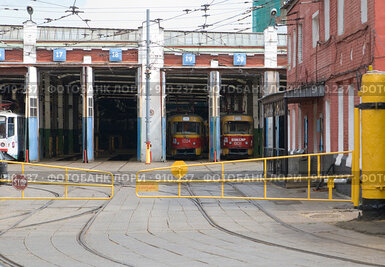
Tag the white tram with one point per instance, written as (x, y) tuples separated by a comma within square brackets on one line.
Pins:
[(12, 134)]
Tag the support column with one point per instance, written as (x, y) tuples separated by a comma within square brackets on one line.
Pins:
[(70, 122), (60, 117), (32, 93), (32, 115), (164, 119), (41, 121), (157, 93), (214, 116), (88, 114), (258, 118), (47, 117)]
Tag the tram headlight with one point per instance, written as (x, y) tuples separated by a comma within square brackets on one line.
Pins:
[(194, 143), (246, 143), (230, 143), (177, 143), (2, 144), (226, 140)]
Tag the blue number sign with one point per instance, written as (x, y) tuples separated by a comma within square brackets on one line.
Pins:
[(115, 54), (239, 59), (2, 54), (188, 59), (59, 55)]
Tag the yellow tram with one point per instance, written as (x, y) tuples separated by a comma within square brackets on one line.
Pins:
[(237, 135), (185, 135)]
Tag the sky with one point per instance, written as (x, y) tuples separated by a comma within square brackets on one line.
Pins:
[(223, 15)]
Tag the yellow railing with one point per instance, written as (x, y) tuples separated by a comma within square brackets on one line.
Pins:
[(265, 179), (181, 169), (66, 183)]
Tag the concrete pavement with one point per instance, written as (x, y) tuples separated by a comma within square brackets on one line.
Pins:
[(172, 232)]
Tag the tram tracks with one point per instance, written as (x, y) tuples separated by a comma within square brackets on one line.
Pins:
[(212, 222), (80, 236), (296, 229)]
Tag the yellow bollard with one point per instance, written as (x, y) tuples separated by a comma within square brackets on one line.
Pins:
[(373, 143), (148, 153)]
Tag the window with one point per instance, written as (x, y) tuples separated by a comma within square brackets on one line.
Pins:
[(238, 127), (289, 51), (327, 19), (341, 4), (90, 107), (294, 48), (33, 107), (315, 28), (182, 127), (11, 127), (3, 127), (299, 43), (364, 11), (305, 133)]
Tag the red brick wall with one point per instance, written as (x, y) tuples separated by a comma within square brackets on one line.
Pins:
[(336, 61), (98, 56), (204, 60), (340, 53), (379, 63)]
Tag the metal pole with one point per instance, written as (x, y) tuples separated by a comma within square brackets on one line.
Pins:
[(148, 142)]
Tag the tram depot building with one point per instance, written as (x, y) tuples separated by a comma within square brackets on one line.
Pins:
[(82, 91)]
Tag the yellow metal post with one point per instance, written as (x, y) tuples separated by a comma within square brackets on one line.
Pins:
[(66, 180), (356, 160), (330, 187), (308, 175), (264, 183), (222, 178), (373, 143), (179, 178), (318, 165)]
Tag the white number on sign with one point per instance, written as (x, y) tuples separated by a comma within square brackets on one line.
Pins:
[(115, 54), (59, 54), (240, 59)]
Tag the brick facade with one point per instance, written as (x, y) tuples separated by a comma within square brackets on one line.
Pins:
[(336, 62)]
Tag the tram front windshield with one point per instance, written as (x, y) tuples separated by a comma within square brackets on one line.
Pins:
[(238, 127), (3, 127), (182, 127)]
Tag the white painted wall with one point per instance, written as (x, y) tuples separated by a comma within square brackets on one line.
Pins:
[(327, 126), (156, 103), (271, 47), (300, 128), (290, 148), (327, 19), (340, 125), (293, 119), (315, 117), (351, 124)]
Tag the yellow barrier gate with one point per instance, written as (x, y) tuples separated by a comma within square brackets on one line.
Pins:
[(67, 179), (179, 170), (141, 179)]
